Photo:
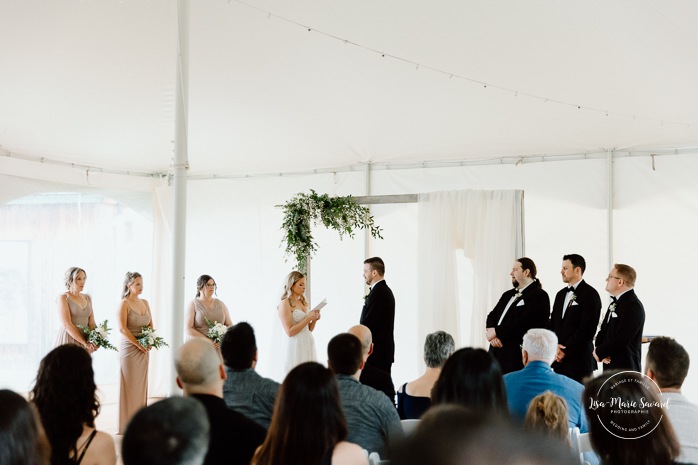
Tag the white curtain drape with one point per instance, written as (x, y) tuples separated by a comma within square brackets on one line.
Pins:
[(486, 227)]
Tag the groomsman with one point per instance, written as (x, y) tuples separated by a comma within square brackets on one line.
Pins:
[(575, 316), (618, 343), (378, 314), (518, 310)]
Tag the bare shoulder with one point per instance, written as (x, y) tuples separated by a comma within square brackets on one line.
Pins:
[(102, 451), (346, 453)]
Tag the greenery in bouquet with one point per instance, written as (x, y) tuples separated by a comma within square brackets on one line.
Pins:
[(339, 213), (148, 339), (216, 330), (99, 336)]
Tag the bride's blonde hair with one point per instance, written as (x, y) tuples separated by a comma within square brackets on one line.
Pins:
[(291, 280)]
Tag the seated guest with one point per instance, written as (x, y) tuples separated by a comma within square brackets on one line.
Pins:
[(372, 421), (472, 378), (65, 394), (548, 414), (244, 389), (200, 373), (455, 435), (414, 398), (538, 353), (370, 374), (667, 365), (173, 431), (21, 435), (659, 447), (308, 397)]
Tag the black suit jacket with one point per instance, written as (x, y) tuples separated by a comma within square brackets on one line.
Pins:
[(531, 310), (379, 315), (234, 437), (576, 331), (621, 337)]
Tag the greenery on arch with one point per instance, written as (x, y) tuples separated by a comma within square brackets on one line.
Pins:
[(339, 213)]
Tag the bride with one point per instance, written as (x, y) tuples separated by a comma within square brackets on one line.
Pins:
[(297, 321)]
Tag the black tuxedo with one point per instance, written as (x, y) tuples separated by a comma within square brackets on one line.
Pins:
[(621, 337), (531, 310), (379, 315), (576, 331)]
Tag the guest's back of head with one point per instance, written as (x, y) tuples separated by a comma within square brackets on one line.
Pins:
[(438, 346), (472, 377), (174, 431), (668, 362), (308, 396), (65, 397), (239, 347), (22, 438), (198, 366), (548, 414), (345, 354), (659, 446), (454, 435)]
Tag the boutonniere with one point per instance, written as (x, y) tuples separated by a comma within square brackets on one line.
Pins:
[(612, 308), (366, 297), (573, 298)]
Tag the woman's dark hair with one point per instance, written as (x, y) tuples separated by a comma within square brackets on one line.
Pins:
[(22, 439), (65, 396), (201, 282), (472, 378), (659, 447), (308, 396)]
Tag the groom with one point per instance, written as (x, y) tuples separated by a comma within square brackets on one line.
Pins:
[(378, 314)]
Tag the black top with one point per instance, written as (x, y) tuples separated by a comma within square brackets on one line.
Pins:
[(378, 380), (411, 407), (234, 437), (84, 449)]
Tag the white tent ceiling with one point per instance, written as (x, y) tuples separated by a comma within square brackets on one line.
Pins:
[(92, 82)]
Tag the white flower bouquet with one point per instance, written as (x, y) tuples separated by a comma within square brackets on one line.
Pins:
[(216, 330), (98, 336), (148, 339)]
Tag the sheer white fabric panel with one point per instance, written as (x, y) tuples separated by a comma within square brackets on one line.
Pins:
[(482, 225)]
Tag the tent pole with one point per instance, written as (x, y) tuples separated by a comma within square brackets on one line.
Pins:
[(367, 232), (181, 165), (609, 205)]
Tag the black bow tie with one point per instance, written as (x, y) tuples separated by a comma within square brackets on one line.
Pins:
[(570, 289), (614, 299)]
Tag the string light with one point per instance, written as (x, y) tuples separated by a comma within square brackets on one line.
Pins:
[(457, 76)]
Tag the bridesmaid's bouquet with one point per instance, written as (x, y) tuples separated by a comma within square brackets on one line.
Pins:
[(216, 330), (147, 339), (98, 336)]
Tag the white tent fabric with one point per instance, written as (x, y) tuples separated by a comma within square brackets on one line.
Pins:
[(484, 227)]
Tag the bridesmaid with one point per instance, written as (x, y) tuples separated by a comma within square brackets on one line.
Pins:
[(205, 305), (134, 313), (75, 308)]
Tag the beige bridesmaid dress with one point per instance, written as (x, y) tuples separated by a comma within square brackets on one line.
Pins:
[(78, 316), (133, 393)]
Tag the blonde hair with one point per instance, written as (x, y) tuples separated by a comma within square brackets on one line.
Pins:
[(130, 277), (71, 274), (291, 280), (548, 413)]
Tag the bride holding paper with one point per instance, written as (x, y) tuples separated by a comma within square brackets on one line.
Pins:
[(298, 322)]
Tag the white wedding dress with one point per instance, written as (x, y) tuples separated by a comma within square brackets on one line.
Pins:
[(301, 347)]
